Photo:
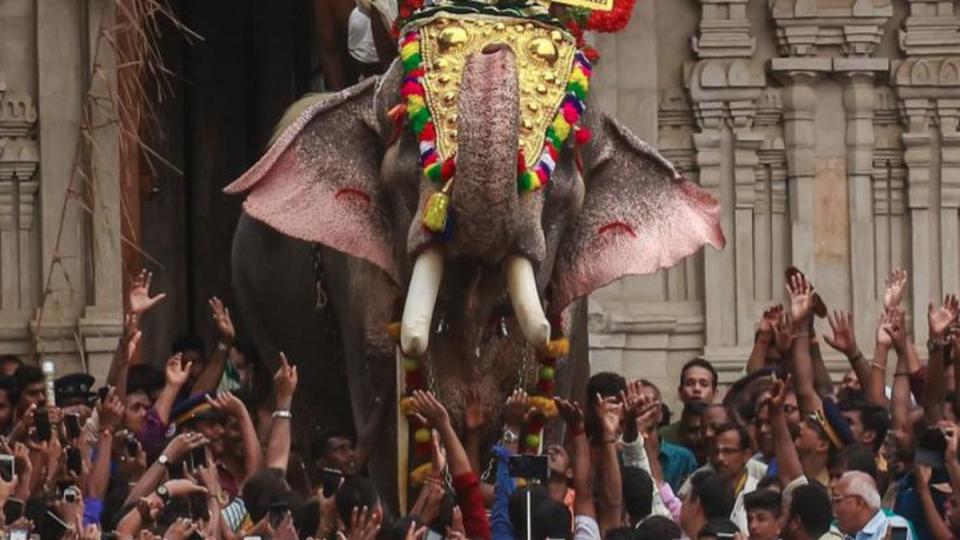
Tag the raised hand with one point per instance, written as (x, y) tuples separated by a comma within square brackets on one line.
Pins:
[(778, 392), (801, 299), (285, 382), (429, 408), (177, 371), (896, 287), (516, 410), (844, 338), (110, 411), (221, 317), (456, 530), (571, 413), (474, 412), (941, 318), (227, 403), (783, 334), (609, 410), (770, 319), (183, 443), (438, 455), (364, 524), (139, 295)]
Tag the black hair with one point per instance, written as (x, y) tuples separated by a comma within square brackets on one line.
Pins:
[(741, 432), (605, 383), (714, 493), (876, 419), (658, 528), (763, 499), (771, 482), (321, 443), (144, 378), (188, 342), (855, 457), (25, 376), (355, 492), (8, 385), (308, 518), (811, 505), (717, 527), (551, 519), (621, 533), (266, 487), (10, 358), (637, 493), (700, 363)]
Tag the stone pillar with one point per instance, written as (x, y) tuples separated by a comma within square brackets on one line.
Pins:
[(947, 113), (799, 75), (857, 77)]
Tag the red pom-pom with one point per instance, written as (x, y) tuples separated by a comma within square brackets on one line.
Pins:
[(429, 132), (581, 135), (448, 168), (592, 54), (570, 114), (521, 162), (613, 20)]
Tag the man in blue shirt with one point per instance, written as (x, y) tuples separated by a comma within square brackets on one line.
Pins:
[(676, 461)]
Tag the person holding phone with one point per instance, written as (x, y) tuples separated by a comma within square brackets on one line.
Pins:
[(856, 503)]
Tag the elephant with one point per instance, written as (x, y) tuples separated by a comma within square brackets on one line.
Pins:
[(330, 249)]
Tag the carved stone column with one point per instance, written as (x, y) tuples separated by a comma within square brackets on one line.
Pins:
[(799, 75), (925, 83), (857, 75)]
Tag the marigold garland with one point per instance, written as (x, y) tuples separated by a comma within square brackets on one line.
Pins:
[(542, 400)]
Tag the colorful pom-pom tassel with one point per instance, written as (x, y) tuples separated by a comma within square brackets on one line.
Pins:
[(435, 212), (581, 135)]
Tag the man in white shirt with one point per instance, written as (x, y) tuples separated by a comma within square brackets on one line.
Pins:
[(856, 503)]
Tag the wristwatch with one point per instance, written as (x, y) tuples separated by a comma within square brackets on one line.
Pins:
[(163, 460), (509, 437), (163, 493), (933, 345)]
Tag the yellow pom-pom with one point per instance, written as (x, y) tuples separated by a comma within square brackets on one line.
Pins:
[(543, 405), (419, 475), (435, 212), (407, 406), (393, 330), (557, 348)]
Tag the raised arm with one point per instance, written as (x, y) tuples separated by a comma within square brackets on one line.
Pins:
[(894, 328), (572, 414), (938, 528), (278, 447), (764, 337), (209, 378), (844, 340), (176, 374), (789, 467), (252, 454), (474, 420), (110, 414), (939, 320), (609, 511), (124, 353), (801, 313)]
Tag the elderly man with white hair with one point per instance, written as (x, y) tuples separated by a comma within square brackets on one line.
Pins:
[(856, 504)]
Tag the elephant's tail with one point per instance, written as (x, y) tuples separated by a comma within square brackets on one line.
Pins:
[(293, 112)]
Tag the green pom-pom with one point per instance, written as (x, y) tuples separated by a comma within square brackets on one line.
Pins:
[(546, 373), (533, 441), (412, 62), (410, 364), (423, 436)]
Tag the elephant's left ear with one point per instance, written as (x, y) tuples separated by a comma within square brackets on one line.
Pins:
[(639, 215), (320, 181)]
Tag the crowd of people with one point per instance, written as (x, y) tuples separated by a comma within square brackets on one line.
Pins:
[(192, 452)]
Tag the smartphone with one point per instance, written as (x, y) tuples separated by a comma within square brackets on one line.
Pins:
[(74, 460), (898, 533), (195, 535), (331, 479), (72, 423), (529, 467), (197, 458), (19, 534), (12, 510), (433, 535), (41, 419), (132, 445), (103, 391), (52, 526), (7, 467), (277, 512), (71, 495)]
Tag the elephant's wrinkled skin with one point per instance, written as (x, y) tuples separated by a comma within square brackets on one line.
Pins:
[(339, 178)]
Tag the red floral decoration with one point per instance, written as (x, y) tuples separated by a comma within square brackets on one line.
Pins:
[(614, 20)]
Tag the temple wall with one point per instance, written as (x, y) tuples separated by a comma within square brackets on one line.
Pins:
[(827, 129)]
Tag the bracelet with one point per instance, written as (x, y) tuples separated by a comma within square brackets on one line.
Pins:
[(878, 365), (609, 441), (282, 413), (857, 357)]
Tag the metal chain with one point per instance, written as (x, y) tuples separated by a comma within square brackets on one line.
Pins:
[(318, 277)]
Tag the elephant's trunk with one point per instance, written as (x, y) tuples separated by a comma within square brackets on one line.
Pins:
[(485, 185)]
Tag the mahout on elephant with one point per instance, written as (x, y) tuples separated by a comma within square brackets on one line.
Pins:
[(475, 194)]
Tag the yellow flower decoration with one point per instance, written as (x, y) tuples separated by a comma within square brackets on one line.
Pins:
[(544, 405), (406, 405), (419, 475)]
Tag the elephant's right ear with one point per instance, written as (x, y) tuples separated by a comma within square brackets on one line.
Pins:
[(319, 182)]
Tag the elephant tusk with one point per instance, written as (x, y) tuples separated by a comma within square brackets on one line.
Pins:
[(522, 287), (421, 299)]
